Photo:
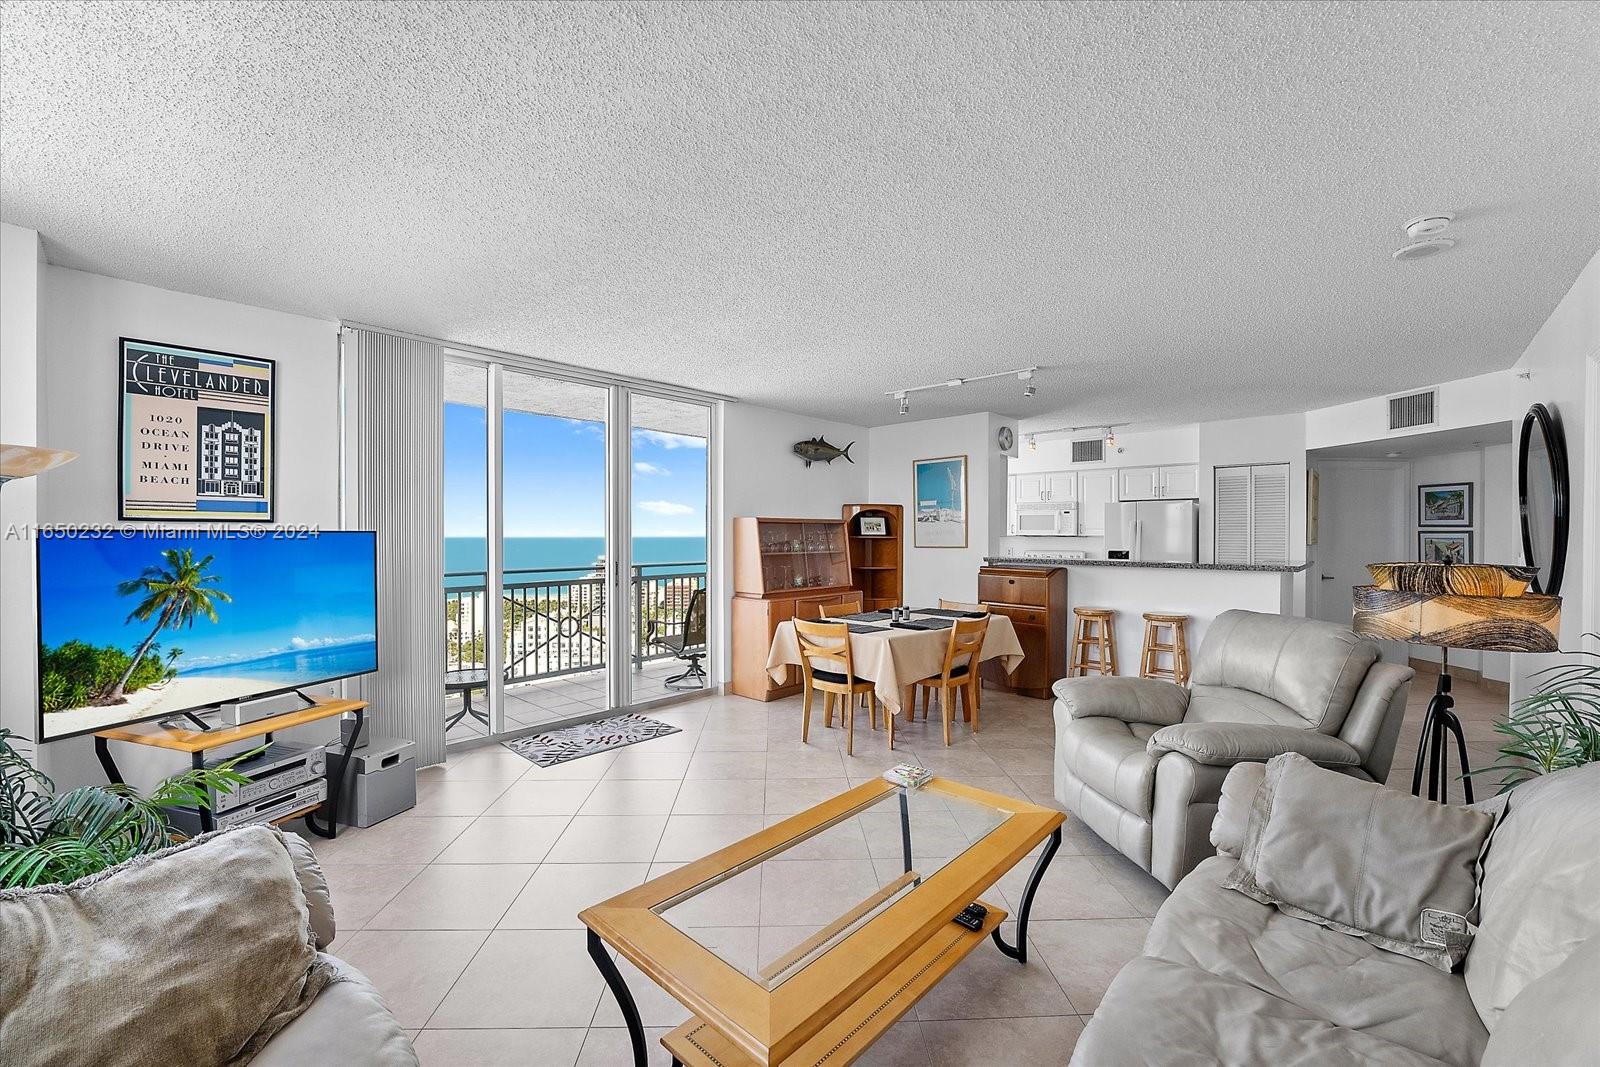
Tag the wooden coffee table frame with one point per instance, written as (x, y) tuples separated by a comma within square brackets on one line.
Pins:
[(768, 1026)]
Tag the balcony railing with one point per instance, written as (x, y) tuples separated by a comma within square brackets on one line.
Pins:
[(555, 623)]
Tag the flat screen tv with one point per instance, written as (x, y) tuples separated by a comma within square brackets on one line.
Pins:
[(137, 624)]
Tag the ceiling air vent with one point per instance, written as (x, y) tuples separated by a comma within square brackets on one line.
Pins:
[(1414, 409), (1091, 451)]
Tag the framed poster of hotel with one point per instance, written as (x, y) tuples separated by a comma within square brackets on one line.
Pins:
[(195, 435), (940, 486)]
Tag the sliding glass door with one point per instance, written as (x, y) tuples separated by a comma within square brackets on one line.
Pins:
[(576, 557)]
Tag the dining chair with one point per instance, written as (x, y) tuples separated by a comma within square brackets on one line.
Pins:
[(961, 605), (960, 673), (829, 643), (847, 604)]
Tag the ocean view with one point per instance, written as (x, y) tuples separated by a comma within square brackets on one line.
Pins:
[(564, 557)]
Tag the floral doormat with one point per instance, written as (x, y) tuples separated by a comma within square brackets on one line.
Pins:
[(585, 739)]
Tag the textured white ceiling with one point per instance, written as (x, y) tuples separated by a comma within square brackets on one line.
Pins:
[(1184, 211)]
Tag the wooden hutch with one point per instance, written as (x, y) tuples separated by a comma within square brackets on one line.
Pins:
[(1035, 600), (782, 569), (876, 559)]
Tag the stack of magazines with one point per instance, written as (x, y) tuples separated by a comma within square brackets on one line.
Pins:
[(909, 775)]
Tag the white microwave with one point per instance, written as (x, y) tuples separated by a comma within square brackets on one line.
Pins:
[(1046, 519)]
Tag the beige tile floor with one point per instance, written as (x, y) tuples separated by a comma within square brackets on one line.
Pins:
[(463, 911)]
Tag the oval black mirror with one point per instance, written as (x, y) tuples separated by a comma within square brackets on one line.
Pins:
[(1543, 492)]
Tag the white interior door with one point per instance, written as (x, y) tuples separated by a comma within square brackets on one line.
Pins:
[(1363, 520)]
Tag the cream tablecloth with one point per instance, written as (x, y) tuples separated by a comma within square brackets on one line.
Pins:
[(894, 659)]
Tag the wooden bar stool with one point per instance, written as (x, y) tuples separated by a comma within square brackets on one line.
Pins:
[(1097, 631), (1177, 648)]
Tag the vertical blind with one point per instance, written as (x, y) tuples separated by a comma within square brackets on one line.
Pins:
[(395, 404)]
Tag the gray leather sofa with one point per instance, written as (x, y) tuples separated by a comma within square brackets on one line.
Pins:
[(1141, 761), (348, 1023), (1224, 979)]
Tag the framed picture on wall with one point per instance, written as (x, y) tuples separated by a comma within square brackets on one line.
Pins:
[(941, 502), (1445, 504), (1436, 547), (195, 434)]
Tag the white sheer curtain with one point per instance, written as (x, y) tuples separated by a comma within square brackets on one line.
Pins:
[(394, 433)]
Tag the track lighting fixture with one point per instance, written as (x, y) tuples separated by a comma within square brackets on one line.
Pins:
[(1033, 443), (1025, 374), (1108, 429)]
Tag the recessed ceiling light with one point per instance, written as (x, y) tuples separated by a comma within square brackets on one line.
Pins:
[(1422, 249), (1427, 225)]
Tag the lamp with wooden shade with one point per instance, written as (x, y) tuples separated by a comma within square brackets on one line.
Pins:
[(1482, 606), (26, 461)]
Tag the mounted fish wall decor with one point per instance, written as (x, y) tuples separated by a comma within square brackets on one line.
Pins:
[(816, 450)]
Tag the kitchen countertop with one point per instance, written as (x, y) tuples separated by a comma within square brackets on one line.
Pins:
[(1033, 561)]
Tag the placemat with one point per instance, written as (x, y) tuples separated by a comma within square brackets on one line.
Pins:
[(925, 624), (948, 613), (866, 616)]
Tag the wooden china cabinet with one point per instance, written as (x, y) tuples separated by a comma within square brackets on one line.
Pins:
[(782, 569)]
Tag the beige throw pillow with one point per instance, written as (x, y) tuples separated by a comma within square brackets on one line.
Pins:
[(1394, 870), (195, 955)]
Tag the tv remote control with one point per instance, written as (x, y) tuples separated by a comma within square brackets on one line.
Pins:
[(972, 916)]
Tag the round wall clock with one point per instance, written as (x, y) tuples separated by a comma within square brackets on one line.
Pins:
[(1005, 438)]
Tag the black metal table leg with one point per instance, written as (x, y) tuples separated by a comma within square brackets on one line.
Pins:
[(336, 787), (1020, 953), (905, 831), (619, 989), (208, 821), (107, 764)]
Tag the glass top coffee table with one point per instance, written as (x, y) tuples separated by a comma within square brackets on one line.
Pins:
[(856, 900)]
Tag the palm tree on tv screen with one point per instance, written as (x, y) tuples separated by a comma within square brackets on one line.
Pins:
[(174, 594)]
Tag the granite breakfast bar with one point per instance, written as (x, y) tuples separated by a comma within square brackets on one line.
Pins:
[(1202, 591)]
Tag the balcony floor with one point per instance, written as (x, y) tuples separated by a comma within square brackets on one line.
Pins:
[(564, 697)]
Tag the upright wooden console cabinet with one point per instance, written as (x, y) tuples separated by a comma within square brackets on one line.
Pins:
[(782, 569), (1035, 600), (876, 566)]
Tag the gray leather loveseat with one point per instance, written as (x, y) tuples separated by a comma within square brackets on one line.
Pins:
[(1141, 761)]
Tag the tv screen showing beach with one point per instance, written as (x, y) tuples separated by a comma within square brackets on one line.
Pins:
[(139, 624)]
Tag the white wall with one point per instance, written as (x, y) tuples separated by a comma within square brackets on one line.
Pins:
[(21, 272), (761, 475), (1143, 448), (1465, 402), (83, 317), (931, 573), (1559, 364)]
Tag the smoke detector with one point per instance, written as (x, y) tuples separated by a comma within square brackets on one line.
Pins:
[(1427, 225), (1422, 249)]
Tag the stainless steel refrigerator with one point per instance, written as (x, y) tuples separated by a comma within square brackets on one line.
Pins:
[(1153, 531)]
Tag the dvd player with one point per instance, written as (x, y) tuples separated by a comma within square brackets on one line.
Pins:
[(300, 799)]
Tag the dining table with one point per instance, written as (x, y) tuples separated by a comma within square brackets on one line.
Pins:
[(893, 658)]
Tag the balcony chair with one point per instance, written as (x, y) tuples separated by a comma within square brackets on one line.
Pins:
[(688, 644), (1141, 760)]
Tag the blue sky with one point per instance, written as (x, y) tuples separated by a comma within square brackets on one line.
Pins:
[(287, 594), (555, 478)]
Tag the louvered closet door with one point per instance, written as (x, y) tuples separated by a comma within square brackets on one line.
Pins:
[(1232, 511), (1269, 513)]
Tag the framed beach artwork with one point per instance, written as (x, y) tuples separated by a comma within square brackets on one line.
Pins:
[(940, 486), (1446, 504), (1435, 546), (195, 434)]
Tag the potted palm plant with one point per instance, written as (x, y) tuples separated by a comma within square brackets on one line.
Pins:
[(1556, 726), (48, 837)]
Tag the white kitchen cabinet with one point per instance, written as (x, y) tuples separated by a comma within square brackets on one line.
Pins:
[(1139, 483), (1029, 488), (1179, 482), (1096, 489), (1061, 486)]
